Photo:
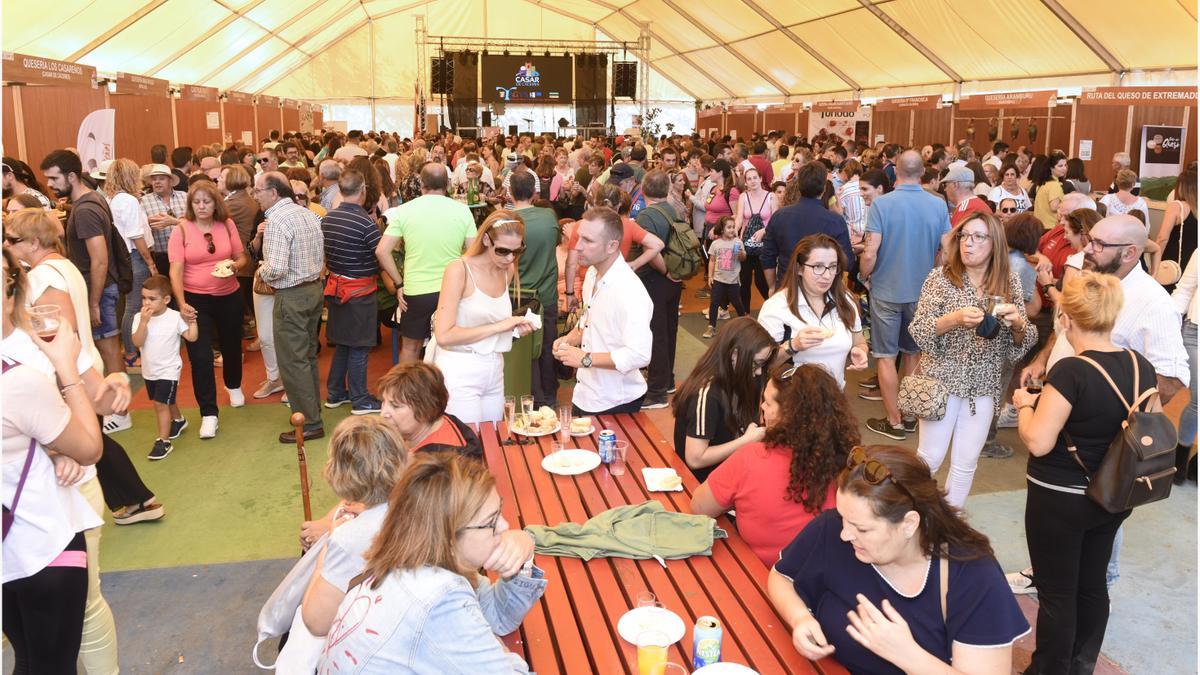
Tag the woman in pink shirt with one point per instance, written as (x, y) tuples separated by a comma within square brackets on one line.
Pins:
[(206, 253), (779, 485)]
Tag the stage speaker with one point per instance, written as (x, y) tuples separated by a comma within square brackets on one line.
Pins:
[(512, 130), (487, 118), (441, 75), (624, 79)]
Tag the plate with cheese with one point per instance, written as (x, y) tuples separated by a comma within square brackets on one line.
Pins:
[(542, 422), (571, 462)]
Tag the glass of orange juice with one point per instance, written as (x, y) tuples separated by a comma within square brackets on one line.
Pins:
[(651, 652)]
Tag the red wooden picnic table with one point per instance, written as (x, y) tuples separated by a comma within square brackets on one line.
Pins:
[(574, 628)]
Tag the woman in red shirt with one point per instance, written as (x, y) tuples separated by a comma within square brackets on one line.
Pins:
[(779, 485)]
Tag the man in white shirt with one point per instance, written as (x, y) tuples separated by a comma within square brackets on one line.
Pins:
[(612, 341), (999, 151), (351, 149)]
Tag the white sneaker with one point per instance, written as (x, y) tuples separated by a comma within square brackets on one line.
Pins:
[(1008, 417), (1021, 583), (114, 423), (722, 314), (208, 426), (236, 398)]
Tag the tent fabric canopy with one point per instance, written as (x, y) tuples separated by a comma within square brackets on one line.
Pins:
[(712, 50)]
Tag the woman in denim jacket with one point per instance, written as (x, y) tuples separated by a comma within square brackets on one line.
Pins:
[(421, 605)]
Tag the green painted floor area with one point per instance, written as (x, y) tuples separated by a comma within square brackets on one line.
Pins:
[(233, 498)]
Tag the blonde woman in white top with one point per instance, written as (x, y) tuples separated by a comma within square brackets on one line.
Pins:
[(474, 323)]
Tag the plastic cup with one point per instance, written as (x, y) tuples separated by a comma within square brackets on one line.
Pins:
[(646, 599), (620, 450), (669, 669), (651, 652), (44, 319)]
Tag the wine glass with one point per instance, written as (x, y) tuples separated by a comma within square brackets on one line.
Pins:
[(510, 416)]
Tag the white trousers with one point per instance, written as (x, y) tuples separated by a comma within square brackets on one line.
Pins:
[(264, 306), (964, 435), (475, 383), (98, 647)]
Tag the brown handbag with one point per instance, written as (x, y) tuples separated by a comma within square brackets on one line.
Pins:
[(1139, 464)]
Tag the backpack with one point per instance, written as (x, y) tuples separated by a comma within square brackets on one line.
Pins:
[(118, 256), (753, 225), (1139, 464), (681, 255)]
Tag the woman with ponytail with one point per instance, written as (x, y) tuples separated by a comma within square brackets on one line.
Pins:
[(894, 580)]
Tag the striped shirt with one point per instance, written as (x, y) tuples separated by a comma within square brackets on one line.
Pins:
[(154, 205), (350, 238), (293, 247), (854, 209)]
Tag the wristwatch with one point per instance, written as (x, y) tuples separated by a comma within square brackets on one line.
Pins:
[(586, 361)]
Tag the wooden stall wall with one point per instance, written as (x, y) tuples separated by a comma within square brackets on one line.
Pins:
[(191, 120), (141, 121), (1104, 126), (893, 124), (239, 120), (52, 117), (802, 123), (742, 123), (781, 121), (291, 119), (9, 137), (268, 118), (933, 126), (318, 120), (1059, 137)]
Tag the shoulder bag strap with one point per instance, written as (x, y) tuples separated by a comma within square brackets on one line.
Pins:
[(10, 514)]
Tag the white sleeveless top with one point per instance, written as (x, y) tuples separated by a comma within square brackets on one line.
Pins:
[(481, 309), (61, 274)]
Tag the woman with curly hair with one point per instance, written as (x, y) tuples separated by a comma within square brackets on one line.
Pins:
[(779, 485), (716, 408)]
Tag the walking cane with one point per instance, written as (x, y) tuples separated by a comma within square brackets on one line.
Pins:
[(298, 424)]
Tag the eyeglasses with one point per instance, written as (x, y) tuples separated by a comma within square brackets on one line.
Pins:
[(13, 241), (212, 245), (490, 525), (874, 471), (505, 252), (973, 237), (1011, 209), (1098, 245), (822, 270)]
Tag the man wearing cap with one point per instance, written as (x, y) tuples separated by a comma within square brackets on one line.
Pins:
[(164, 208), (960, 194), (622, 175)]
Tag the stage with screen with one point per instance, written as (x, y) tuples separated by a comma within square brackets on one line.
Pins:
[(526, 79)]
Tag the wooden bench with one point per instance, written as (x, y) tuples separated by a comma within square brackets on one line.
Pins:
[(574, 628)]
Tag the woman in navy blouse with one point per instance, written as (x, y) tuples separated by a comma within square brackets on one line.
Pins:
[(863, 583)]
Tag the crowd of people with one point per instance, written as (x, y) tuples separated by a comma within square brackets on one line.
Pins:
[(972, 279)]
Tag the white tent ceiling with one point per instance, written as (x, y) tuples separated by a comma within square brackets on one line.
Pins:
[(749, 50)]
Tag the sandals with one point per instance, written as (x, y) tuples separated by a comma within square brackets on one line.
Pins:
[(128, 515)]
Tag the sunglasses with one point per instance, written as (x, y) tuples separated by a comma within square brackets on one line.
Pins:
[(874, 471), (1011, 209), (212, 245), (505, 252)]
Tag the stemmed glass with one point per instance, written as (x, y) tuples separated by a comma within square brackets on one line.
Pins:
[(510, 417)]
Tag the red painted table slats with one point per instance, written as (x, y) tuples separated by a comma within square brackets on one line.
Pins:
[(574, 628)]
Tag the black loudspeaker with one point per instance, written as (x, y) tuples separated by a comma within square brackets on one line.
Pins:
[(487, 118), (624, 79), (512, 130), (441, 75)]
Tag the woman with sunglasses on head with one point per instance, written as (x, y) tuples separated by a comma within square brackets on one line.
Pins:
[(969, 322), (1010, 186), (474, 323), (894, 580), (812, 316), (781, 480), (423, 606), (717, 406), (1071, 537), (206, 252)]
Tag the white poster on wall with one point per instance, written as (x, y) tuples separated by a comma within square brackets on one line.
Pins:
[(248, 139), (212, 120), (96, 140), (1085, 149)]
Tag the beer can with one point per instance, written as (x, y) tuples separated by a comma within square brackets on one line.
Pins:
[(706, 642), (608, 440)]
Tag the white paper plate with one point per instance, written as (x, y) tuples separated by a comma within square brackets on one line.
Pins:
[(520, 431), (724, 668), (590, 430), (651, 618), (571, 462), (654, 478)]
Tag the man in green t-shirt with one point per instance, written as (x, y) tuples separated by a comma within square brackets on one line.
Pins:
[(539, 271), (435, 230)]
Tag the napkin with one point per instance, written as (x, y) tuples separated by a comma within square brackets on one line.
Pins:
[(532, 317)]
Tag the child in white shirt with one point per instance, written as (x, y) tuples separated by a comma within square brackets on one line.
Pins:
[(156, 331)]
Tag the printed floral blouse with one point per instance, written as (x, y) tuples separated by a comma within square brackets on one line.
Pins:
[(969, 365)]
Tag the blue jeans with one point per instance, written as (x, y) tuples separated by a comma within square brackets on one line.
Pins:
[(133, 301), (889, 328), (1114, 561), (1187, 421), (108, 314), (349, 370)]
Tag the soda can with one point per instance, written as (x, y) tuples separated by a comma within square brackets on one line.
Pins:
[(607, 440), (706, 642)]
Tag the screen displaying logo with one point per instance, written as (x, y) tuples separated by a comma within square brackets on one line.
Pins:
[(525, 79)]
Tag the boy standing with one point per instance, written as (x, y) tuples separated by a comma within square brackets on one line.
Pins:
[(156, 331)]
